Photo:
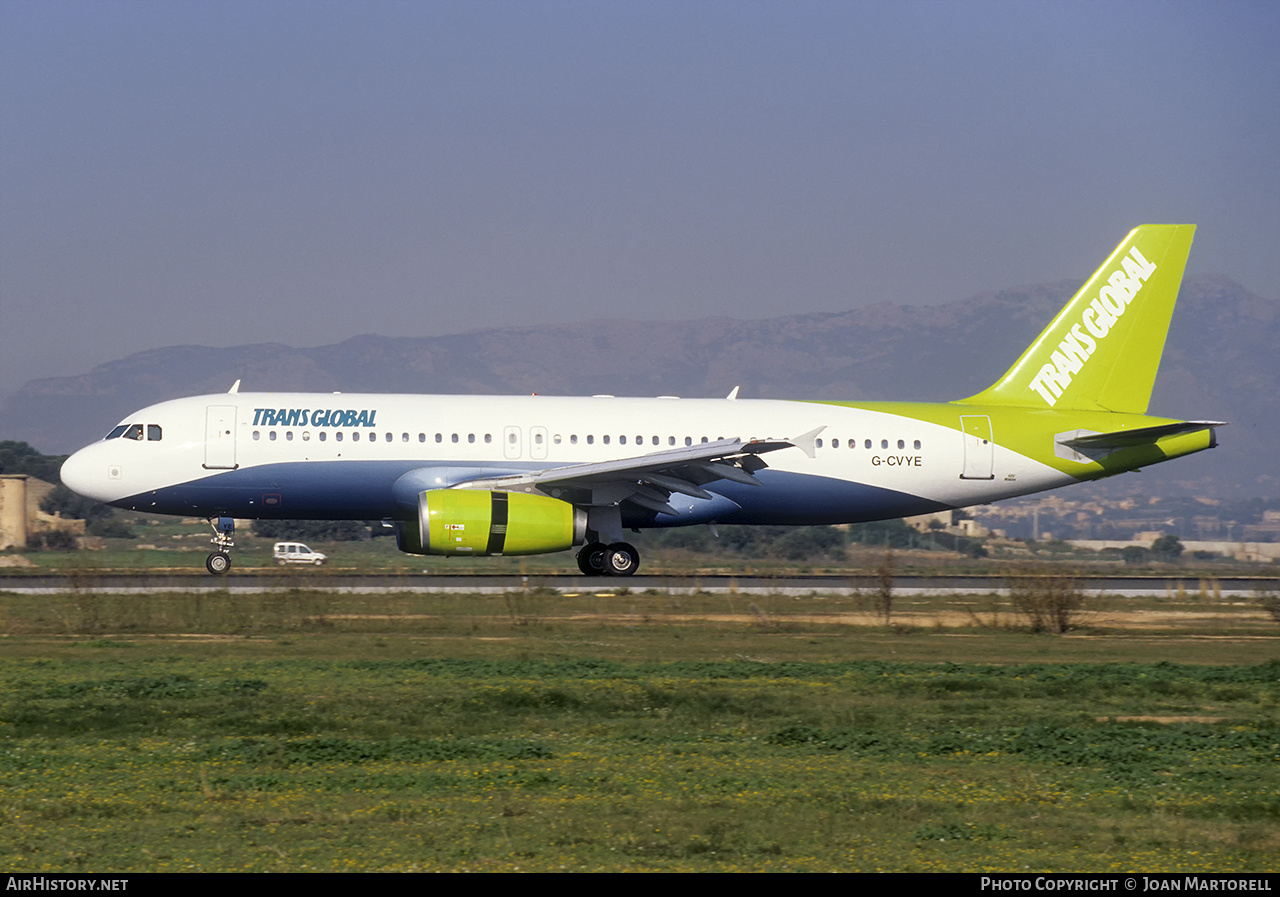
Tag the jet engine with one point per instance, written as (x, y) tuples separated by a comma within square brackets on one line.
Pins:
[(480, 524)]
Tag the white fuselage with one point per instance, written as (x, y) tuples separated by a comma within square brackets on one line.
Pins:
[(340, 455)]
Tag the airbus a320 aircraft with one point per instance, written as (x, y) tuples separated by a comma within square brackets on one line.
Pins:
[(486, 475)]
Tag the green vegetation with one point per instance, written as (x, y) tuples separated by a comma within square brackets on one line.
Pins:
[(19, 457), (317, 530), (1167, 548), (100, 520), (302, 730)]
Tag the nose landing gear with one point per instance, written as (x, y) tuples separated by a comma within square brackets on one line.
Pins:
[(219, 561)]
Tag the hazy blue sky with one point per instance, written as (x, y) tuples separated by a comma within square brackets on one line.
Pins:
[(233, 172)]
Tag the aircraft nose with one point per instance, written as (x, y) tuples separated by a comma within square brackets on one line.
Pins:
[(83, 476)]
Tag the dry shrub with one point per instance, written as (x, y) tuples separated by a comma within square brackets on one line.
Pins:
[(1269, 600), (1050, 599)]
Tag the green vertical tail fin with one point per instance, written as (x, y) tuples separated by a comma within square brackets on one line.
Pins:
[(1102, 351)]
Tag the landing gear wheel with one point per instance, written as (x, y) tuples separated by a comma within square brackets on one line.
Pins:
[(591, 559), (621, 559), (220, 561)]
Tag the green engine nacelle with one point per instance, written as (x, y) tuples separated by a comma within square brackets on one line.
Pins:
[(480, 524)]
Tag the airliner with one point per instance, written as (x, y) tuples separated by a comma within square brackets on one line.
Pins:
[(480, 476)]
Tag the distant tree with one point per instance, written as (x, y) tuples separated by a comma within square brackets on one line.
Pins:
[(54, 540), (1167, 548), (99, 519), (311, 530), (810, 541), (62, 500), (1134, 554), (888, 533), (19, 457), (683, 538)]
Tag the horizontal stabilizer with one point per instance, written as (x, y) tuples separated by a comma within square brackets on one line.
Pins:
[(1141, 436), (1085, 445)]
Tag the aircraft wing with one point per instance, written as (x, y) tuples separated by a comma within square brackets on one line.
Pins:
[(649, 480)]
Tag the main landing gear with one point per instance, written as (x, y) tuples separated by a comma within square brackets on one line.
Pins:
[(618, 559), (219, 561)]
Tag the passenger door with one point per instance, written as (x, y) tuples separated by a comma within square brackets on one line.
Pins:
[(979, 450), (220, 437)]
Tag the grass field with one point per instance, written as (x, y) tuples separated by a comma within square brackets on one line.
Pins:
[(300, 730)]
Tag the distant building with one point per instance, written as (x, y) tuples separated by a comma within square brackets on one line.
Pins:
[(20, 516), (947, 522)]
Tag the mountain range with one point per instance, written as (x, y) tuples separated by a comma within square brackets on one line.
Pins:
[(1221, 362)]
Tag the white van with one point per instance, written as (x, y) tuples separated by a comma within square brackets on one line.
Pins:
[(296, 553)]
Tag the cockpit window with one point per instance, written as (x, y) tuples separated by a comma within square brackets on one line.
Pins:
[(152, 433)]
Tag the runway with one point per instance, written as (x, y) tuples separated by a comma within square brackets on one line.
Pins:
[(356, 583)]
